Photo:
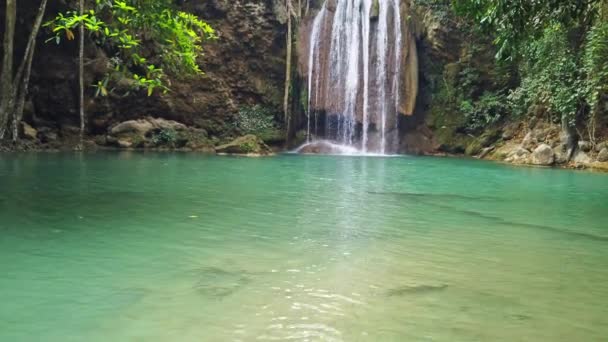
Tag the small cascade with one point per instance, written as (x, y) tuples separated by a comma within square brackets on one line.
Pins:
[(354, 68), (313, 64)]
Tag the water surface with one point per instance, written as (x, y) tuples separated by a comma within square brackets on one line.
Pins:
[(184, 247)]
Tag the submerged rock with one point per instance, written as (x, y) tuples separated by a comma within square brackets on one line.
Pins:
[(245, 145), (543, 155), (415, 289)]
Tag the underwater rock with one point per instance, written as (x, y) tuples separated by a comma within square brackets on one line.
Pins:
[(415, 289)]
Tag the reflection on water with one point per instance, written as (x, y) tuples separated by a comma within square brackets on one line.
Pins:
[(165, 247)]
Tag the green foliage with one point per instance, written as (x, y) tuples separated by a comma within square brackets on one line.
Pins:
[(560, 47), (249, 147), (255, 119), (164, 137), (550, 77), (488, 110), (121, 26), (595, 61), (514, 22)]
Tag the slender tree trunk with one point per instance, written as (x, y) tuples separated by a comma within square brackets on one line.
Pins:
[(6, 78), (81, 76), (299, 8), (288, 70), (21, 85)]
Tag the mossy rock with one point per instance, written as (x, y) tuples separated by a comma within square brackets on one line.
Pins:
[(485, 140), (246, 145), (272, 136)]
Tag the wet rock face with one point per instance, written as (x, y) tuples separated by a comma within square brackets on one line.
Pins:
[(244, 66)]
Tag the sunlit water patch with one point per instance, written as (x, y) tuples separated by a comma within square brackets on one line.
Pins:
[(177, 247)]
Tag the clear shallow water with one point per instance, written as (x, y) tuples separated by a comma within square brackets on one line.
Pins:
[(183, 247)]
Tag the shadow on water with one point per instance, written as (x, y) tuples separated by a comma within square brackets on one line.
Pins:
[(430, 199), (432, 196), (416, 289), (504, 222), (217, 283)]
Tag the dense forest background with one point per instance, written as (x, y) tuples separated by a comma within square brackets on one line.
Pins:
[(492, 73)]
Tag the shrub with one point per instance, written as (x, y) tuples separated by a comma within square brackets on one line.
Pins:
[(164, 137), (255, 119), (488, 110)]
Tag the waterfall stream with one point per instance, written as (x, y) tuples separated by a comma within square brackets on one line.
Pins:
[(353, 71)]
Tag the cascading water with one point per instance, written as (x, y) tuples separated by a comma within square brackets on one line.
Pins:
[(313, 64), (354, 67)]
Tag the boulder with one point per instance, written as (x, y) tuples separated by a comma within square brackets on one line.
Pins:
[(603, 155), (543, 155), (510, 131), (143, 126), (28, 132), (582, 158), (124, 143), (484, 153), (561, 154), (585, 146), (325, 147), (246, 145), (47, 135), (529, 141), (518, 156)]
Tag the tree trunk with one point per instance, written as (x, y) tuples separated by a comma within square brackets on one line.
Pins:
[(81, 76), (21, 85), (288, 70), (6, 78)]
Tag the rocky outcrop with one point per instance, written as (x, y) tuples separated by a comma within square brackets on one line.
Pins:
[(244, 66), (543, 155), (518, 156), (603, 155), (156, 133), (325, 147), (249, 145), (144, 126)]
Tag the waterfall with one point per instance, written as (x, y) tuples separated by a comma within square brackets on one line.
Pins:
[(313, 64), (353, 70), (381, 53)]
